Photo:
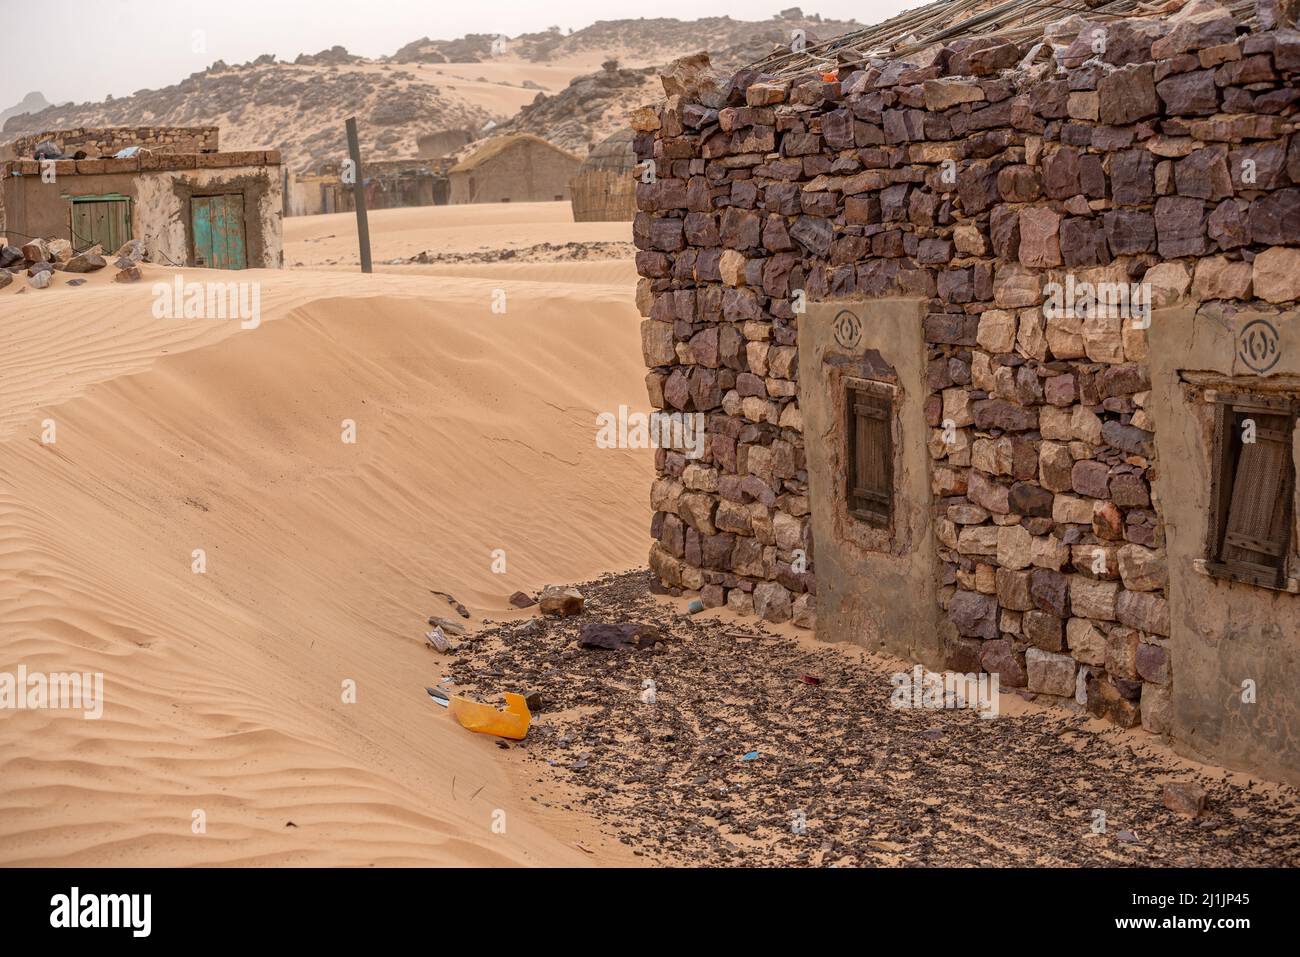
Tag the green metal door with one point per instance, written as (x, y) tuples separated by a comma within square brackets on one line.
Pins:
[(101, 219), (219, 231)]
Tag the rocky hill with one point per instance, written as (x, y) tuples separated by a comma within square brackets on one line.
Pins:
[(642, 41), (590, 108), (660, 40), (300, 107), (31, 103)]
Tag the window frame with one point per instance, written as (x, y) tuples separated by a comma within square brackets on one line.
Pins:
[(885, 396), (1223, 475)]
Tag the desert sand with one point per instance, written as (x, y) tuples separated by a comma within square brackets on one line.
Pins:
[(223, 690), (330, 240)]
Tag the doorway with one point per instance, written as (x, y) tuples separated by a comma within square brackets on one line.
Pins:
[(105, 220), (218, 222)]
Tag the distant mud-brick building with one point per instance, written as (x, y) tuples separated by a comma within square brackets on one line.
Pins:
[(388, 184), (517, 168), (605, 188), (196, 208), (991, 316)]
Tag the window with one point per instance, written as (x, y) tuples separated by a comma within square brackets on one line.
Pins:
[(1254, 487), (870, 458)]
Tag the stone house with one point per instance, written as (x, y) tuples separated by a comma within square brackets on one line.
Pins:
[(993, 325), (518, 167), (191, 208)]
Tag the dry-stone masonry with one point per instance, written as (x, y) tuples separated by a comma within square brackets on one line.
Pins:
[(972, 174)]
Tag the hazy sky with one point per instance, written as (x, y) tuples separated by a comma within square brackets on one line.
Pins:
[(116, 47)]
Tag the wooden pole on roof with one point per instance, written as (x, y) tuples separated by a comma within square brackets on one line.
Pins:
[(359, 196)]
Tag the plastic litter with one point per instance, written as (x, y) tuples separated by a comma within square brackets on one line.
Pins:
[(695, 607), (485, 719), (751, 756)]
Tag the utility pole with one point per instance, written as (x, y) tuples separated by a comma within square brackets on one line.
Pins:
[(359, 195)]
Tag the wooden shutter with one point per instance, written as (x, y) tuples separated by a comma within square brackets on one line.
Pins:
[(106, 221), (1257, 482), (870, 455)]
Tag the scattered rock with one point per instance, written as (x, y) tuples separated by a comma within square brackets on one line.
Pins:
[(132, 250), (60, 250), (521, 600), (36, 251), (560, 602), (86, 262), (449, 625), (1185, 798), (438, 641), (658, 777), (617, 637)]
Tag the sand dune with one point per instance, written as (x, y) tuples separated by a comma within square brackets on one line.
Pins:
[(223, 690), (402, 233)]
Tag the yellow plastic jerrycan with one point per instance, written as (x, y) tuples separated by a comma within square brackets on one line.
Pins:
[(485, 719)]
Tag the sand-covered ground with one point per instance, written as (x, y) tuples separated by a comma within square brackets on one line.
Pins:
[(474, 432)]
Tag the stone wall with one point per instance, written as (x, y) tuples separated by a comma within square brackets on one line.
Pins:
[(972, 175), (109, 140)]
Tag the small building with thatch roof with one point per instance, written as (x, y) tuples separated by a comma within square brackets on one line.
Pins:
[(605, 188), (518, 168)]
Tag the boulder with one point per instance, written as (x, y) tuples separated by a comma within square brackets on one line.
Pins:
[(693, 78), (621, 637), (1184, 798), (86, 262), (558, 601), (36, 251)]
